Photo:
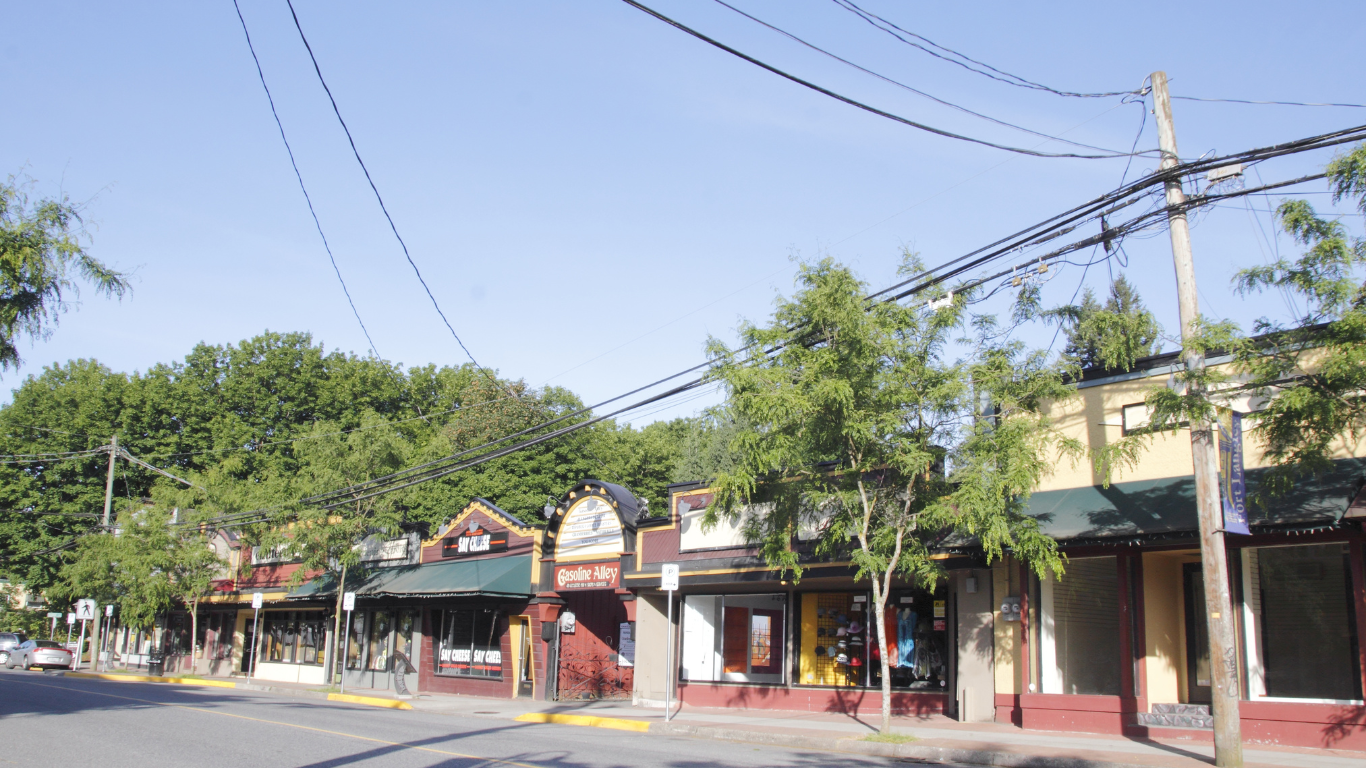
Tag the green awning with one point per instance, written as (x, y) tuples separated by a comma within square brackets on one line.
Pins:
[(491, 577), (1155, 508)]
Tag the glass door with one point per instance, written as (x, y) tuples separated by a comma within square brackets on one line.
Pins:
[(1197, 637)]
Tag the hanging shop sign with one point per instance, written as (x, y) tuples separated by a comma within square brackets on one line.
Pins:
[(474, 540), (587, 576), (372, 550), (1232, 483), (591, 528)]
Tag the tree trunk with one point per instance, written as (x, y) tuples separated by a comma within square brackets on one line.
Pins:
[(338, 642), (879, 611)]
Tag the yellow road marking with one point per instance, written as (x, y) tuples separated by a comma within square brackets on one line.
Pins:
[(617, 723), (294, 725), (154, 679), (373, 701)]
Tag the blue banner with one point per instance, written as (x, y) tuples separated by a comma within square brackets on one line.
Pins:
[(1232, 485)]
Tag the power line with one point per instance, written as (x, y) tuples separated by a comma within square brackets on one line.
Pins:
[(1273, 103), (953, 57), (300, 177), (900, 84), (337, 111), (859, 104)]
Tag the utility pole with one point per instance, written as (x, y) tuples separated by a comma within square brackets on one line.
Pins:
[(95, 639), (1223, 653)]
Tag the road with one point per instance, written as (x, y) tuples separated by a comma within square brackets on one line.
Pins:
[(49, 720)]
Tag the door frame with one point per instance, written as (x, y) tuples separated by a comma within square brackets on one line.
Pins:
[(1195, 693)]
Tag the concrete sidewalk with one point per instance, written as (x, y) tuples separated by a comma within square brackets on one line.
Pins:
[(937, 739)]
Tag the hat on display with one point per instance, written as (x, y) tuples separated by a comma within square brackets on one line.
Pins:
[(856, 662), (832, 651), (820, 650), (842, 659), (855, 627), (842, 619), (843, 644), (820, 631), (820, 611), (856, 640), (841, 632)]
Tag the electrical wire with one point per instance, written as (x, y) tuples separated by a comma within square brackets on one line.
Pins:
[(1004, 77), (861, 105), (293, 164), (1273, 103), (912, 89), (392, 226)]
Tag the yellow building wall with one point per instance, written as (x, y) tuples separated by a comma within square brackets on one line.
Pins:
[(1095, 417), (806, 664)]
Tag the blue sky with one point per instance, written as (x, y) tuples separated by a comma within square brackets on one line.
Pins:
[(591, 193)]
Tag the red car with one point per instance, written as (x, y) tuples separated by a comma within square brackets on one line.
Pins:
[(39, 653)]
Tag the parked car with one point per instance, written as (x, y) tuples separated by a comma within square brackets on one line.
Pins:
[(47, 654), (8, 642)]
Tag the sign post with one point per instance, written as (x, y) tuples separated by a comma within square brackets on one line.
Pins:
[(348, 605), (70, 622), (85, 611), (105, 636), (257, 600), (668, 581), (52, 631)]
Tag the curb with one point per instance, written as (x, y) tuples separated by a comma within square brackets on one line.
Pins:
[(151, 679), (905, 751), (373, 701), (592, 721)]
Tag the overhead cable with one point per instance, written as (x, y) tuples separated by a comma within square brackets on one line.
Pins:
[(1273, 103), (912, 89), (866, 107), (963, 60)]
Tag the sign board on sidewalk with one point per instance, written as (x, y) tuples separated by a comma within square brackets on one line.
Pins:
[(258, 600), (668, 577), (349, 601), (109, 610), (54, 614), (71, 618), (85, 610)]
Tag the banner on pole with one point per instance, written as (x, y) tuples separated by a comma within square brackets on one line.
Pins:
[(1232, 482)]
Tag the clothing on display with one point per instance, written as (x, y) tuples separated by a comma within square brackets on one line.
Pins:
[(905, 632)]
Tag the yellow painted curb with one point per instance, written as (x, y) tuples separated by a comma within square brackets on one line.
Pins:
[(370, 700), (151, 679), (617, 723)]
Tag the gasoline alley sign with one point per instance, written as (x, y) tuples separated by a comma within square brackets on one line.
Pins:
[(589, 576), (474, 540)]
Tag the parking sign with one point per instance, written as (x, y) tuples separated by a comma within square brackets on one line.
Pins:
[(668, 577)]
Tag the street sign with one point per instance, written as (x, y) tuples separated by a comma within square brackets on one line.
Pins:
[(349, 601), (109, 610), (85, 609), (258, 600), (71, 618), (668, 577), (668, 581), (54, 614)]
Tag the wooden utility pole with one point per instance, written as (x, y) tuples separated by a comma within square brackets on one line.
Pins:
[(109, 479), (1223, 651)]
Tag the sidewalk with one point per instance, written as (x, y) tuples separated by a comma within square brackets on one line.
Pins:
[(938, 739)]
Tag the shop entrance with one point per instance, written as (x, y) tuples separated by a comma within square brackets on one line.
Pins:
[(590, 664), (376, 646), (1197, 637)]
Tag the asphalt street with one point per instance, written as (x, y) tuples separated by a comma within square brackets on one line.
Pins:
[(48, 720)]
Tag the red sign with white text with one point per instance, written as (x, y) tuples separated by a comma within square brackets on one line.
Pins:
[(588, 576)]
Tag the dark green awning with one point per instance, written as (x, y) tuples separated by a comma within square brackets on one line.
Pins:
[(491, 577), (1148, 508)]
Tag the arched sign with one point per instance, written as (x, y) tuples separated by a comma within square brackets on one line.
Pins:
[(591, 529)]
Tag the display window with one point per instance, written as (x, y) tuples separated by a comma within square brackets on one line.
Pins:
[(839, 641), (470, 644), (1077, 635), (293, 637), (1300, 623), (734, 638)]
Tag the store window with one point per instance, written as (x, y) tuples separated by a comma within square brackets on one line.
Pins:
[(1078, 629), (355, 642), (1299, 623), (470, 644), (736, 638), (840, 645), (293, 637)]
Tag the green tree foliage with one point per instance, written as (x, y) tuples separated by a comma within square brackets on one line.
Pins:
[(848, 424), (1112, 336), (42, 262)]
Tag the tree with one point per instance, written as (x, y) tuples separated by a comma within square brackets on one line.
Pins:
[(1112, 336), (40, 249), (847, 420)]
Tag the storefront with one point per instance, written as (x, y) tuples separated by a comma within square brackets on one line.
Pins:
[(750, 637)]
